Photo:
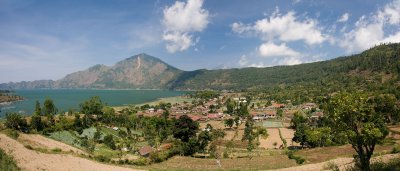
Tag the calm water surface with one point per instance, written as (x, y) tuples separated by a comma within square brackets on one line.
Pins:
[(65, 99)]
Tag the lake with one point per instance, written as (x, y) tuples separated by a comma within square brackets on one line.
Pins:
[(65, 99)]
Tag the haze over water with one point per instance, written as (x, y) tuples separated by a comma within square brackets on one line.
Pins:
[(65, 99)]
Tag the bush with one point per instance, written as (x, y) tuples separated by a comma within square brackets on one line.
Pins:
[(13, 134), (141, 162), (28, 147), (56, 150), (298, 159), (392, 165), (331, 166), (7, 162), (102, 158), (396, 149)]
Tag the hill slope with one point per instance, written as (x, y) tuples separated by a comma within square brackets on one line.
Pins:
[(377, 65), (384, 59)]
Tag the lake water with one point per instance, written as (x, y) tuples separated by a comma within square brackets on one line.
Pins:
[(65, 99)]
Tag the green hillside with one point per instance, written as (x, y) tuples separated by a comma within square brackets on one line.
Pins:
[(376, 65), (376, 69)]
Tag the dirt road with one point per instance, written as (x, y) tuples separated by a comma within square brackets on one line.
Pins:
[(33, 160)]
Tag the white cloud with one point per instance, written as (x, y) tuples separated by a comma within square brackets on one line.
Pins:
[(391, 38), (180, 20), (258, 65), (284, 28), (344, 18), (177, 41), (390, 13), (370, 30), (363, 37), (290, 61), (272, 50), (243, 60)]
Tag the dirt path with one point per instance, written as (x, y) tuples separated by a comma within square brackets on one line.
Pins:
[(288, 134), (38, 141), (273, 137), (343, 163), (33, 160)]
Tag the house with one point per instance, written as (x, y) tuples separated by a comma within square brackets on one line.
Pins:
[(309, 106), (194, 117), (145, 151), (214, 116), (165, 146)]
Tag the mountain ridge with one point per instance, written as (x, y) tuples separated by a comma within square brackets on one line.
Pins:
[(143, 71)]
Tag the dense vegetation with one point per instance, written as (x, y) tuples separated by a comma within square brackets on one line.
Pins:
[(376, 65), (375, 69)]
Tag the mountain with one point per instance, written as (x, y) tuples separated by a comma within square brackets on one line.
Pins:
[(141, 71), (378, 65), (137, 72)]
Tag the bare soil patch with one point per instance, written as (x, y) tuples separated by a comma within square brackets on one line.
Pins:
[(33, 160), (38, 141)]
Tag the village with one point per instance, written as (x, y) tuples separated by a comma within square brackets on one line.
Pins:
[(273, 116)]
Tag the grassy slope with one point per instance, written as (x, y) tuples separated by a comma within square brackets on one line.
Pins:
[(7, 162)]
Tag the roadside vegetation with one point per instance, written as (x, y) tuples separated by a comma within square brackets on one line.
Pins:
[(7, 163)]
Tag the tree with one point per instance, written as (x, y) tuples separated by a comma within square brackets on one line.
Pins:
[(109, 141), (249, 135), (386, 105), (203, 139), (92, 106), (36, 123), (49, 108), (38, 110), (16, 121), (185, 128), (229, 122), (353, 114), (108, 115), (279, 113)]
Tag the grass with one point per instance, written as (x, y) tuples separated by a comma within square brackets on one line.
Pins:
[(89, 132), (102, 150), (65, 137), (271, 124), (7, 162), (321, 154), (256, 163)]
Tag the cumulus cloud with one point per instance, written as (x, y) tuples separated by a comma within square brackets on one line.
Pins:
[(390, 13), (243, 61), (369, 30), (284, 28), (272, 50), (344, 18), (290, 61), (180, 21)]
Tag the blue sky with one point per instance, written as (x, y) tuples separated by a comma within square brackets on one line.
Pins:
[(49, 39)]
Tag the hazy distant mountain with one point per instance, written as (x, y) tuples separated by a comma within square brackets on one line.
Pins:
[(141, 71), (376, 65), (137, 72)]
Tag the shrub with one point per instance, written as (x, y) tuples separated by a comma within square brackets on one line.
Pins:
[(396, 149), (331, 166), (102, 158), (7, 162), (56, 150), (298, 159), (13, 134), (140, 162), (28, 147)]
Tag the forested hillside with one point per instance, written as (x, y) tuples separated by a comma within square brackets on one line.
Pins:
[(375, 69)]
